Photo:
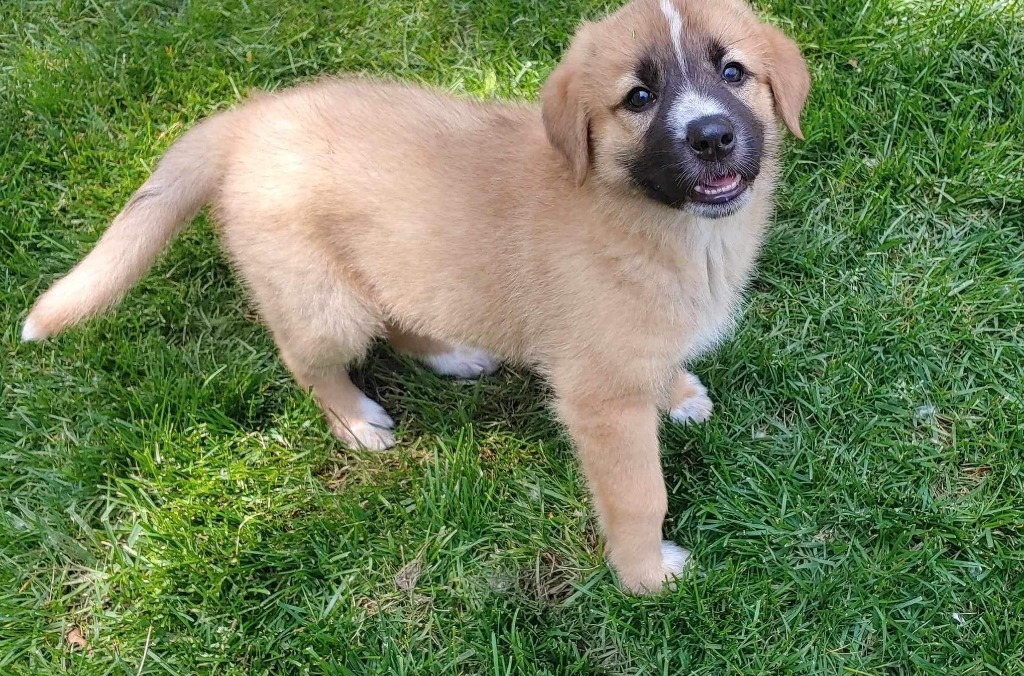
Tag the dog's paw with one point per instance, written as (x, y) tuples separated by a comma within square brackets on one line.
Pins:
[(674, 558), (696, 407), (462, 362), (372, 430), (363, 435), (660, 575)]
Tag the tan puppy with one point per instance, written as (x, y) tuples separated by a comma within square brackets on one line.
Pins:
[(603, 239)]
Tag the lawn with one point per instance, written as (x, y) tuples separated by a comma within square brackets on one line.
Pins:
[(171, 503)]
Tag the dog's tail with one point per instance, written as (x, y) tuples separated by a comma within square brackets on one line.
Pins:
[(185, 180)]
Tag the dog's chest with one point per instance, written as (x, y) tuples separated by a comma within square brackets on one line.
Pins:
[(708, 292)]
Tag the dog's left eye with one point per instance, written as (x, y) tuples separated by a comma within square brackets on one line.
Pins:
[(640, 98), (733, 72)]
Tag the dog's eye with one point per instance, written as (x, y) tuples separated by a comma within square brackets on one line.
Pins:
[(733, 72), (640, 98)]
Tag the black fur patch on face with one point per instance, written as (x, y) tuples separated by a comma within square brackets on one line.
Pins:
[(649, 74), (666, 168), (716, 52)]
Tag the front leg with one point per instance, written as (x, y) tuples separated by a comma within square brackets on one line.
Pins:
[(688, 399), (616, 437)]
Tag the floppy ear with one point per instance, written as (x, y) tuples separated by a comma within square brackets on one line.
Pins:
[(566, 119), (788, 76)]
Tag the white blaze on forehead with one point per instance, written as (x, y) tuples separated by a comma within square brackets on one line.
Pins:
[(675, 29), (689, 106)]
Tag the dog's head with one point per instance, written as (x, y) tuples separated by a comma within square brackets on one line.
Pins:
[(680, 99)]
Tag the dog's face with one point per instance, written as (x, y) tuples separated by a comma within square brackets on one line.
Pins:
[(678, 99)]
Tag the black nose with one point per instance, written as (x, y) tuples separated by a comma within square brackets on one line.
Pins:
[(711, 137)]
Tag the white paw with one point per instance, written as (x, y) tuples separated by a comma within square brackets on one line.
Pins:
[(366, 436), (463, 362), (371, 431), (374, 414), (697, 408), (657, 576), (674, 558)]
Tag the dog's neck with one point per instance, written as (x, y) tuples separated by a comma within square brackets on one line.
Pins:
[(669, 230)]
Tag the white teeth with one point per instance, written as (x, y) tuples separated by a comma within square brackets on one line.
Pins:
[(708, 190)]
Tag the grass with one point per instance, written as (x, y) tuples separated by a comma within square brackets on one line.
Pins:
[(171, 500)]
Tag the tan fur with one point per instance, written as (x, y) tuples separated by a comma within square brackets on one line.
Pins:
[(354, 210)]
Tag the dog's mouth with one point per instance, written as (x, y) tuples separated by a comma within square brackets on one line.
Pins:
[(721, 189)]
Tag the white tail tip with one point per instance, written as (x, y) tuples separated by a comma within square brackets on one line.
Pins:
[(30, 332)]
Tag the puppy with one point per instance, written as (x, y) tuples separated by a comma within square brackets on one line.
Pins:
[(603, 239)]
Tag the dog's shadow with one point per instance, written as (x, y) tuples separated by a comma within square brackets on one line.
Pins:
[(511, 400)]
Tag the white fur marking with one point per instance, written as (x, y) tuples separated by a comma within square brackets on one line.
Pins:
[(30, 332), (674, 558), (462, 362), (675, 30), (372, 432), (691, 106), (697, 408), (374, 414), (369, 437)]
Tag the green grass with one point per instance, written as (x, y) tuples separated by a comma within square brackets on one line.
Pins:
[(856, 505)]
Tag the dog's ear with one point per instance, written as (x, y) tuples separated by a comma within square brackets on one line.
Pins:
[(566, 119), (788, 76)]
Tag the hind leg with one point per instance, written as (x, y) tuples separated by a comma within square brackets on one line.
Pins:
[(443, 358), (354, 418), (321, 323), (319, 338), (318, 351)]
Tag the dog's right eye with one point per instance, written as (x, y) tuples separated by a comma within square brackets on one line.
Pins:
[(640, 98)]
